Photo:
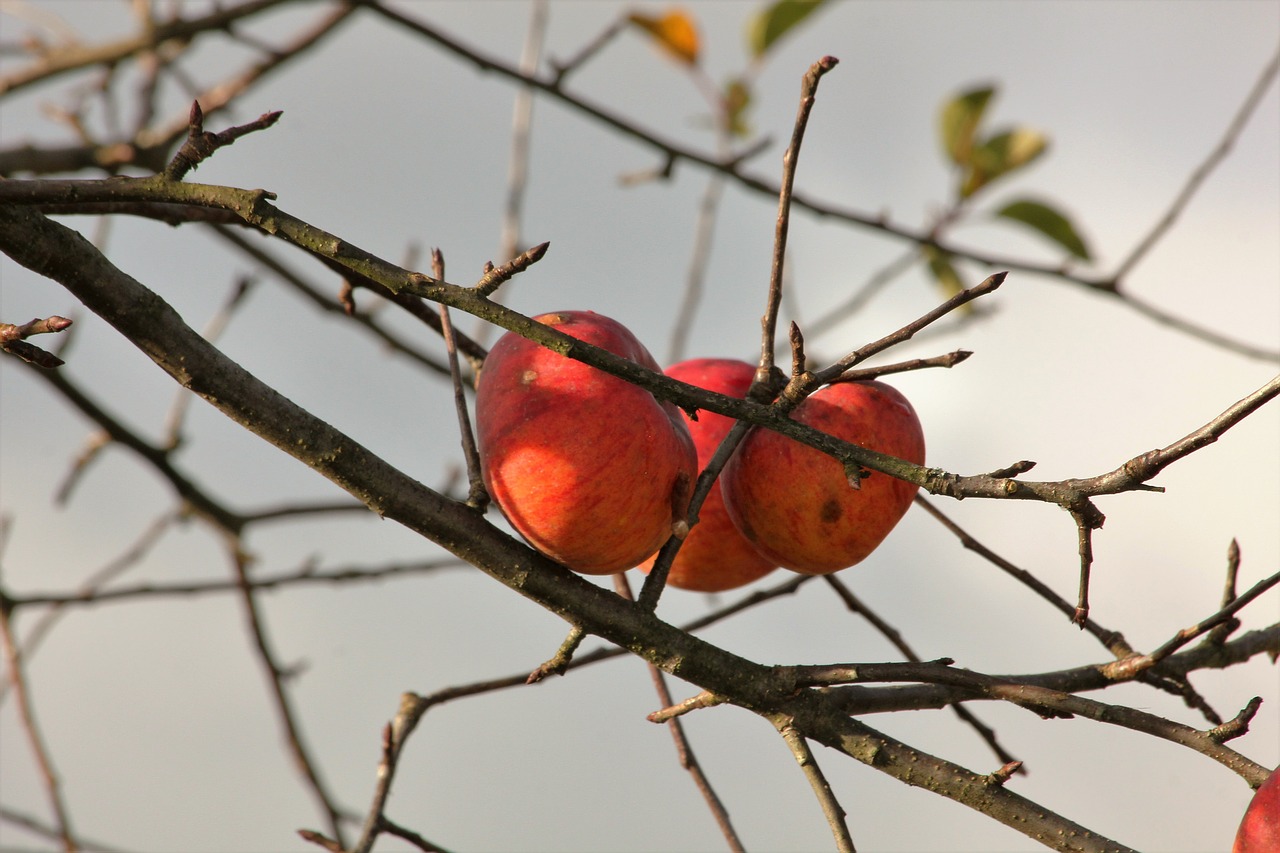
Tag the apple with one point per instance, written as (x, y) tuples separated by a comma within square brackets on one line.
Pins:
[(1260, 829), (590, 469), (715, 556), (796, 505)]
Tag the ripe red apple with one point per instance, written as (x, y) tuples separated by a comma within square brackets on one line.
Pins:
[(715, 556), (591, 470), (1260, 829), (796, 505)]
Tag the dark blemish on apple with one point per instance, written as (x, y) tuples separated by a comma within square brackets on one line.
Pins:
[(681, 492), (831, 511)]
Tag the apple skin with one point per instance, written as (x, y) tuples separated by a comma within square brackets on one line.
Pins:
[(795, 504), (1260, 828), (590, 469), (714, 557)]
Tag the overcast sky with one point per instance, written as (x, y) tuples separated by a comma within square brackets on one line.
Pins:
[(156, 712)]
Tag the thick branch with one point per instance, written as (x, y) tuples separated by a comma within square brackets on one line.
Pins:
[(155, 328), (255, 207)]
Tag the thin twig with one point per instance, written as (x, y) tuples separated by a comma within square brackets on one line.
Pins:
[(1237, 725), (495, 277), (303, 577), (130, 558), (201, 145), (39, 828), (75, 55), (762, 385), (175, 347), (831, 807), (656, 580), (895, 637), (212, 331), (590, 49), (521, 134), (13, 340), (255, 206), (390, 827), (790, 159), (276, 675), (684, 751), (985, 287), (673, 151), (477, 496), (862, 296), (325, 302), (865, 700), (861, 374), (1084, 543), (30, 725), (560, 661), (1221, 632), (1045, 702), (1113, 641), (672, 710), (1130, 666), (699, 262), (1201, 172), (393, 737)]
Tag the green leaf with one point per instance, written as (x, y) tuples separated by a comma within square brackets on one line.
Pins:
[(1001, 154), (772, 23), (735, 101), (1048, 221), (1010, 150), (959, 120)]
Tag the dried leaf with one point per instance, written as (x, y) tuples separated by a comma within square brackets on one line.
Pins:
[(676, 32)]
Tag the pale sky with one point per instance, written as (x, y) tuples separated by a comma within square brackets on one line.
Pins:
[(156, 711)]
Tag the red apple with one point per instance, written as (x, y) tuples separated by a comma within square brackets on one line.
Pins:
[(796, 505), (1260, 829), (715, 556), (590, 469)]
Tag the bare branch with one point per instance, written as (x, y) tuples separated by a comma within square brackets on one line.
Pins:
[(13, 340), (790, 159), (673, 151), (831, 807), (158, 331), (684, 751), (76, 56), (1073, 495), (1130, 666), (276, 675), (895, 637), (1114, 641), (305, 576), (27, 717), (1201, 172), (559, 662), (477, 497), (1046, 702), (201, 145)]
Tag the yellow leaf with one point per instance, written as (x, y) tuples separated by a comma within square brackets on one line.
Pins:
[(675, 32)]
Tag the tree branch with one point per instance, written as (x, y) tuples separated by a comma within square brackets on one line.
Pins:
[(156, 329)]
